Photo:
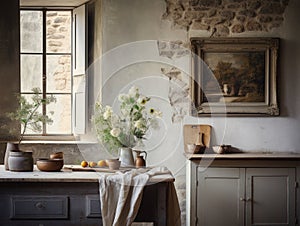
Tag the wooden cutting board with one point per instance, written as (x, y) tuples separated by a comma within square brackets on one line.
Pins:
[(191, 133), (96, 169)]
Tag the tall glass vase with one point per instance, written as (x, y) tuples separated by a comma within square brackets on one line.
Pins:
[(126, 157)]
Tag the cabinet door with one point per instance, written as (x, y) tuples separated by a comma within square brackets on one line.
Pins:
[(220, 196), (270, 195)]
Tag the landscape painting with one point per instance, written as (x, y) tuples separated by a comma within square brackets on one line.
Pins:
[(240, 76), (234, 76)]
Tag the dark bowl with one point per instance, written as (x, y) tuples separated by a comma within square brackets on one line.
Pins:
[(50, 165)]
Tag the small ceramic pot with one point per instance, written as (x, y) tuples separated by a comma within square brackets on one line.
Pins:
[(20, 161), (113, 164)]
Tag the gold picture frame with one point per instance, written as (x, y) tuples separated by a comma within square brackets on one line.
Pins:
[(234, 76)]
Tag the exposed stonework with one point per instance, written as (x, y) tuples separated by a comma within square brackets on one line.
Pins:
[(178, 93), (236, 15), (173, 49)]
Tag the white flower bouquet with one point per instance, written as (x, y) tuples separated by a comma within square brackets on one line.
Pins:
[(130, 127)]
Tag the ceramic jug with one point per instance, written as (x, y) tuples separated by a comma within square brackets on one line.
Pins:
[(139, 160)]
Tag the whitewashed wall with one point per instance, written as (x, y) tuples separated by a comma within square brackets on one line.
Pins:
[(129, 21)]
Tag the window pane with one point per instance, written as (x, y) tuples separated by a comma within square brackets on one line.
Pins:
[(59, 74), (31, 23), (30, 128), (31, 72), (62, 115), (58, 31)]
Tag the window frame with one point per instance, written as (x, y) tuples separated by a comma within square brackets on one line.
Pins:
[(44, 135)]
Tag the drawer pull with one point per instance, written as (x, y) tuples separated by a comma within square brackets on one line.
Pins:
[(39, 205)]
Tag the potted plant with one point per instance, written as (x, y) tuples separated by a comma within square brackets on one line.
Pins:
[(127, 129), (29, 117)]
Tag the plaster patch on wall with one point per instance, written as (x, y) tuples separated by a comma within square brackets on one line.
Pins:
[(173, 49), (178, 93), (225, 17)]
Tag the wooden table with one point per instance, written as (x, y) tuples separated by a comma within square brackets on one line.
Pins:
[(69, 198)]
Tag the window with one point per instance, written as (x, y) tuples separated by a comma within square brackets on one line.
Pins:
[(46, 63)]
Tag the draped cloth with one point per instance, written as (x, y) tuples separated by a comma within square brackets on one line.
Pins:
[(121, 196)]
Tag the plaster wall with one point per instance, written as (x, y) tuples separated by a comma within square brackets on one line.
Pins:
[(127, 22)]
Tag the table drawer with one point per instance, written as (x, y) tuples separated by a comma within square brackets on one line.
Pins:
[(93, 208), (39, 207)]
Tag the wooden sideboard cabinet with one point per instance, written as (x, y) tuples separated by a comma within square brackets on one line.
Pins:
[(243, 189)]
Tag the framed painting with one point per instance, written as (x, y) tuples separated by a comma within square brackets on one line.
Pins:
[(234, 76)]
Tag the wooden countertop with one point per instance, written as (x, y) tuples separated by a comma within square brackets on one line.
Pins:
[(248, 156), (64, 176)]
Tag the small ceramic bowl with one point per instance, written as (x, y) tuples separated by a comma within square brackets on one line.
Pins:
[(221, 149), (195, 149), (113, 164), (50, 165), (57, 155)]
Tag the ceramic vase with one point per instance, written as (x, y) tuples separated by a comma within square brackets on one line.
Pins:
[(9, 147), (20, 161), (126, 157)]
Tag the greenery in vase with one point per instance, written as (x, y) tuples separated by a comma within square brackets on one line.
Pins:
[(28, 115), (130, 127)]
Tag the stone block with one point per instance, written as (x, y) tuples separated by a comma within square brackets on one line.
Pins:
[(237, 28), (55, 43), (211, 12), (241, 18), (222, 31), (253, 5), (60, 20), (253, 26), (198, 25), (247, 13), (264, 19), (227, 14)]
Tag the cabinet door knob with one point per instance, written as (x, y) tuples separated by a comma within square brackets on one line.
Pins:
[(39, 205), (242, 199)]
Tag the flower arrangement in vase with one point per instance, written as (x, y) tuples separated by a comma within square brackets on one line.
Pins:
[(29, 117), (127, 129)]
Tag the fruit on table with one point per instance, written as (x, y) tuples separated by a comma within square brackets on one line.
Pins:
[(84, 164), (102, 163), (92, 164)]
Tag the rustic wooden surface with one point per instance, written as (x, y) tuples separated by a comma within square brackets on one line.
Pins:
[(191, 133), (65, 176)]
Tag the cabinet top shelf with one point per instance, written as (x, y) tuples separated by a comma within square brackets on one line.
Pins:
[(247, 156)]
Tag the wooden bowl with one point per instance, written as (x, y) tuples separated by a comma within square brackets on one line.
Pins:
[(50, 165), (57, 155)]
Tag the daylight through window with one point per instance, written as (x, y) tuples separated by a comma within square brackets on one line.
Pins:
[(46, 63)]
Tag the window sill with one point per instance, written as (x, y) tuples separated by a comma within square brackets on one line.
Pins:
[(54, 140)]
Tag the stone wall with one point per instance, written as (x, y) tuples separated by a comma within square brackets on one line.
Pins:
[(221, 18), (226, 17)]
